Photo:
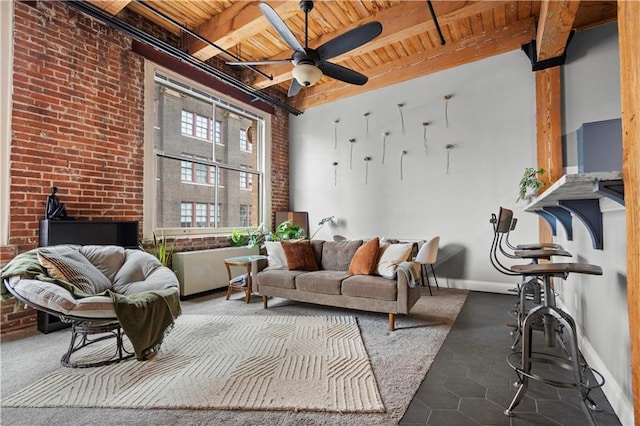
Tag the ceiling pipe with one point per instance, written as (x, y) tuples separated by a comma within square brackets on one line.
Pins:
[(164, 47), (435, 21), (198, 36)]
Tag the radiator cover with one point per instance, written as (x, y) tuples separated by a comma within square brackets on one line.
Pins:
[(203, 270)]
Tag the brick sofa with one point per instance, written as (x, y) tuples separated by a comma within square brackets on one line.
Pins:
[(333, 284)]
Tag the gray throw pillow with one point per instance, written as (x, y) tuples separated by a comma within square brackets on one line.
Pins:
[(74, 268)]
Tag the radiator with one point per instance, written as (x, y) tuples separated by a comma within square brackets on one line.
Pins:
[(204, 270)]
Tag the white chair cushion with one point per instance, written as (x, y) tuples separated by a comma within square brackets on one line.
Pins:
[(58, 299)]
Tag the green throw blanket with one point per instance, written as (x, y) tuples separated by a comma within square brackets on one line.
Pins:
[(145, 317)]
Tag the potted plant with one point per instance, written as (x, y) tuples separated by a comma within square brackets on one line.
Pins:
[(530, 183), (160, 249), (287, 230)]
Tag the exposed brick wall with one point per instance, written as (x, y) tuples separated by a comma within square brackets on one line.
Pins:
[(77, 124), (280, 162), (77, 120)]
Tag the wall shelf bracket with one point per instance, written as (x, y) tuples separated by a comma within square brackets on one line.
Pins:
[(613, 189), (563, 216), (588, 211), (550, 219)]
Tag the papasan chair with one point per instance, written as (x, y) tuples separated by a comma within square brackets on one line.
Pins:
[(103, 292)]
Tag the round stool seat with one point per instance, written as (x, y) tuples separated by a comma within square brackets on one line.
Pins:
[(540, 253), (557, 269)]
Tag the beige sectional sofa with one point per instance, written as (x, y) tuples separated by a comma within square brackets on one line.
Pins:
[(333, 285)]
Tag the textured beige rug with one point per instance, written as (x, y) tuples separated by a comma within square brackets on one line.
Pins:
[(249, 362)]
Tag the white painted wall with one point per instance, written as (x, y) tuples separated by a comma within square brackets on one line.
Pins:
[(492, 128), (591, 92)]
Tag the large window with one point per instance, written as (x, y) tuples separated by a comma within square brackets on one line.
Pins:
[(192, 175)]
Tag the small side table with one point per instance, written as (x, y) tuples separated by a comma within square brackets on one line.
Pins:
[(244, 262)]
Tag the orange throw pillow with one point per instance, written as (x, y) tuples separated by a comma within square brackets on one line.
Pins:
[(364, 260), (299, 255)]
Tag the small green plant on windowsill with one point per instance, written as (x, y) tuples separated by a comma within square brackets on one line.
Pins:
[(530, 183), (160, 249)]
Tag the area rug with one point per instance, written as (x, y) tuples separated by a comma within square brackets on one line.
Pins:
[(249, 362)]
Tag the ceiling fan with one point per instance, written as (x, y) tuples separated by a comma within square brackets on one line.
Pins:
[(311, 64)]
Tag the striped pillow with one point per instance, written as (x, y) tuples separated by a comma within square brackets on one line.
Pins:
[(74, 268)]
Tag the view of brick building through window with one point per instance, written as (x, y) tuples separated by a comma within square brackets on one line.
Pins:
[(213, 183)]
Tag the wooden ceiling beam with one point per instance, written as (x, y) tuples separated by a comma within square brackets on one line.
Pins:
[(485, 45), (405, 20), (240, 21), (554, 25), (111, 6)]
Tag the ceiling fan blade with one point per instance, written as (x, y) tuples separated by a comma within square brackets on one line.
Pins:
[(294, 88), (268, 62), (349, 40), (343, 74), (281, 28)]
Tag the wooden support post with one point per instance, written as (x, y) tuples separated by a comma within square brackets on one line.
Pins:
[(264, 302), (549, 133), (392, 322), (628, 30)]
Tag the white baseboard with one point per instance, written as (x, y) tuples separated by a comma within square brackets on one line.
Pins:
[(621, 405), (486, 286)]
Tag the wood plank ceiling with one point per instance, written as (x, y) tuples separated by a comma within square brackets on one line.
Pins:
[(408, 47)]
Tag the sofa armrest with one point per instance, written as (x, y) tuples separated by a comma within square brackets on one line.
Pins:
[(257, 265), (407, 296)]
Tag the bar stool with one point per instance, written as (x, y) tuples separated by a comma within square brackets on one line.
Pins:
[(549, 314), (530, 286)]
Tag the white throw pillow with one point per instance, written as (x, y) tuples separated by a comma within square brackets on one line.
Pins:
[(275, 256), (392, 256)]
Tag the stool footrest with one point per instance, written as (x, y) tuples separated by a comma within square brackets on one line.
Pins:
[(514, 357)]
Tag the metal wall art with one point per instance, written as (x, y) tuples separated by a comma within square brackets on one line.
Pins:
[(335, 173), (335, 133), (366, 169), (424, 135), (384, 144), (446, 110), (352, 142), (401, 116), (448, 147), (402, 154), (366, 132)]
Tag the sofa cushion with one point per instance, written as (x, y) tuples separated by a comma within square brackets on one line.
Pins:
[(275, 256), (393, 255), (278, 278), (370, 286), (364, 260), (299, 255), (316, 246), (336, 255), (71, 266), (324, 282)]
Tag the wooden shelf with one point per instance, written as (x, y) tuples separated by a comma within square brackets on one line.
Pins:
[(579, 195)]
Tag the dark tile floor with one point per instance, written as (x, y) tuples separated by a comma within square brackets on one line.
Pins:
[(470, 382)]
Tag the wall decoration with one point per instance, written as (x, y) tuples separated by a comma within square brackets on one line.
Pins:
[(352, 142), (401, 116), (384, 144), (402, 154), (366, 132), (335, 173), (446, 109), (335, 133), (366, 169), (424, 135), (448, 147)]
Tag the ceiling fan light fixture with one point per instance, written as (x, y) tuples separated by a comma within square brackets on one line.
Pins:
[(306, 74)]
